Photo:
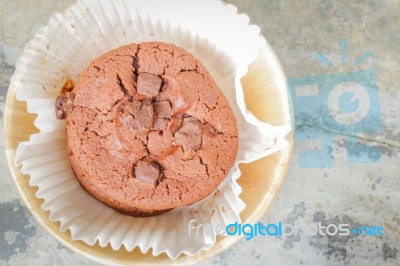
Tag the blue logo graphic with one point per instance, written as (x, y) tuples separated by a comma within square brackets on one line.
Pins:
[(335, 104)]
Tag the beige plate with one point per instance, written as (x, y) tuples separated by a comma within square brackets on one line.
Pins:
[(260, 180)]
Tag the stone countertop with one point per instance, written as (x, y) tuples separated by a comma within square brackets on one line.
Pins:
[(340, 57)]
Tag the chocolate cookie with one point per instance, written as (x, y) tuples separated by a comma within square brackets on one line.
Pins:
[(148, 129)]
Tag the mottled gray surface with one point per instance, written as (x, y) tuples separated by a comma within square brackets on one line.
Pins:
[(357, 194)]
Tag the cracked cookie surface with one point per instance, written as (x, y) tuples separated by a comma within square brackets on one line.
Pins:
[(148, 129)]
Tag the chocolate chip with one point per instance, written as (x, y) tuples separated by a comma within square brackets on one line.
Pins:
[(60, 101), (148, 84), (59, 104), (64, 105), (163, 111), (135, 116), (190, 135), (160, 123), (60, 114), (147, 171)]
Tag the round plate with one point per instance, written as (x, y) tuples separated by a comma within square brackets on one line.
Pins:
[(266, 96)]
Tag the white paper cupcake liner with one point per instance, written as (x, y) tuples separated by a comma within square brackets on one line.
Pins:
[(215, 34)]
